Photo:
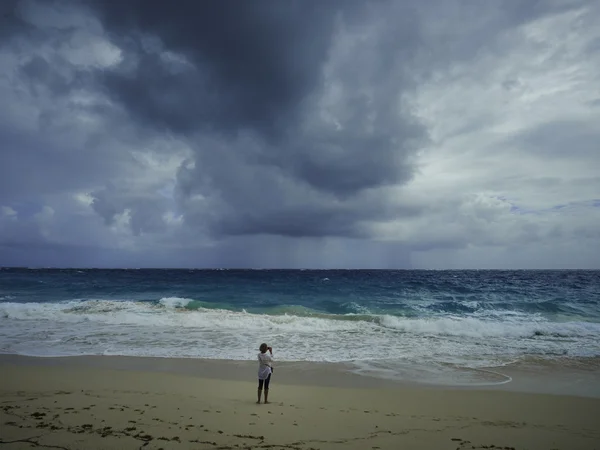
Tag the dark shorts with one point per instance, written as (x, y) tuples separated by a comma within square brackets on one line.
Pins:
[(264, 382)]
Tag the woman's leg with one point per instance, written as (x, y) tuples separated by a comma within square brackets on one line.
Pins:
[(260, 387), (267, 381)]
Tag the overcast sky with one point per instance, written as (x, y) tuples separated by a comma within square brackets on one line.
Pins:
[(312, 133)]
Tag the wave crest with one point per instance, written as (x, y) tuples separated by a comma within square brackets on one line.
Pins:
[(175, 302), (480, 328), (185, 312)]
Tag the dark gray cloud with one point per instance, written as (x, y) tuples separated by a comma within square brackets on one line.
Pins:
[(40, 73), (247, 64), (145, 212), (32, 166), (253, 76), (10, 23)]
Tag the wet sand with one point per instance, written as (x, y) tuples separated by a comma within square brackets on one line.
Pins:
[(152, 403)]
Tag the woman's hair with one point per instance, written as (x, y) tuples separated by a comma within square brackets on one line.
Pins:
[(263, 347)]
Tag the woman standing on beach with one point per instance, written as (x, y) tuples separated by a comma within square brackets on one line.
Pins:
[(265, 369)]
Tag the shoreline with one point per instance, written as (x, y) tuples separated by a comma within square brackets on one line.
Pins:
[(539, 378), (117, 402)]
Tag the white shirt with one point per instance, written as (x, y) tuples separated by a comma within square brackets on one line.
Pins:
[(264, 365)]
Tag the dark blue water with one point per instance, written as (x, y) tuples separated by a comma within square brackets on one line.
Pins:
[(333, 291), (471, 318)]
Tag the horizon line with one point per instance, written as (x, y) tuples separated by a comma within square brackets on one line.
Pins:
[(288, 268)]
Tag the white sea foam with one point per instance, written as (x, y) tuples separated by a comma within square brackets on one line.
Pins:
[(167, 328), (480, 328), (175, 302)]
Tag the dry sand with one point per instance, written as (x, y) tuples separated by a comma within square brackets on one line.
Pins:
[(91, 404)]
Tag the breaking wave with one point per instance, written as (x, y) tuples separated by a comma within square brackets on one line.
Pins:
[(185, 312)]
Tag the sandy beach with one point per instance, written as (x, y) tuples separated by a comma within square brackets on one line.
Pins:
[(104, 403)]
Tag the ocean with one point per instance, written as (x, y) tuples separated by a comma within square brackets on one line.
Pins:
[(385, 323)]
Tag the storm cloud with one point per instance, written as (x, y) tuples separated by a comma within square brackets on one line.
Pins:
[(374, 133)]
